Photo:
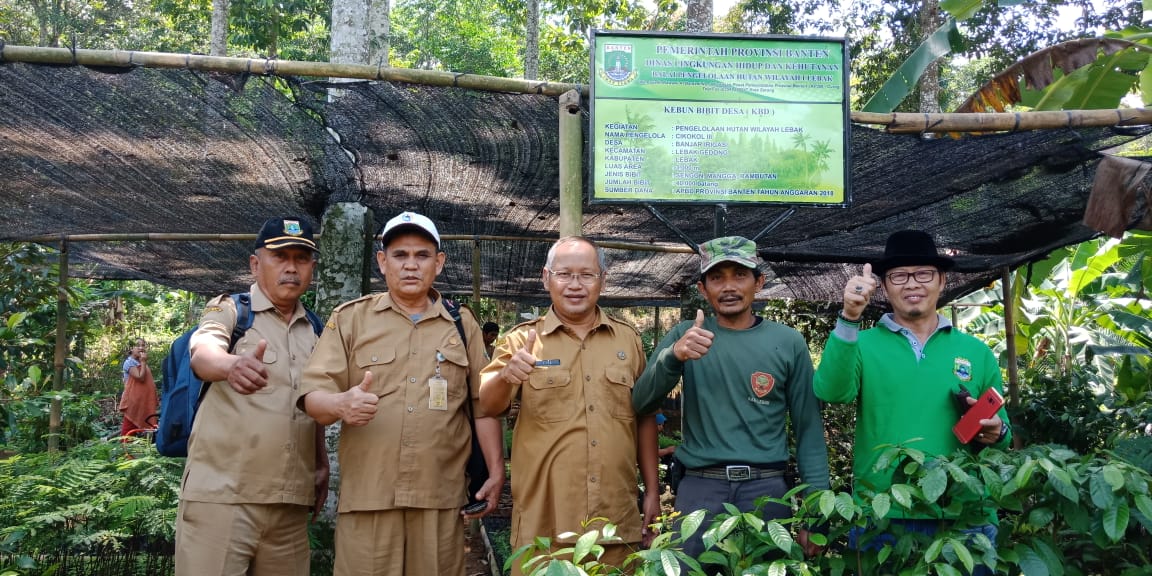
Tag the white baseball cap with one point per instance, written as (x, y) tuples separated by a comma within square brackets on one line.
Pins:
[(406, 221)]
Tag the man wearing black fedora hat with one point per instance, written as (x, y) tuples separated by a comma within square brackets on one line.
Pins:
[(904, 374)]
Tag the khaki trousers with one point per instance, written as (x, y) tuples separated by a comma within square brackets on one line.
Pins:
[(403, 542), (241, 539)]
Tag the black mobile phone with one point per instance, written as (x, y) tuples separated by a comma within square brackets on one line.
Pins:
[(475, 507)]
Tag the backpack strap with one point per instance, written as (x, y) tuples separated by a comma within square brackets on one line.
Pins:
[(315, 321), (244, 318), (454, 311)]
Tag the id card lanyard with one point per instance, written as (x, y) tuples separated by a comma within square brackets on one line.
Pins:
[(438, 388)]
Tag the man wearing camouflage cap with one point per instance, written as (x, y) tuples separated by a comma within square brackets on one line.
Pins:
[(744, 378)]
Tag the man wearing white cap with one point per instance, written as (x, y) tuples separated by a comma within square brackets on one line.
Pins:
[(395, 370)]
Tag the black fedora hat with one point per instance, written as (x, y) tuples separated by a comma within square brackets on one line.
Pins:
[(911, 248)]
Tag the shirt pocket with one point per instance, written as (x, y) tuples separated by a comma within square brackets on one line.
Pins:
[(454, 369), (619, 391), (381, 362), (550, 395)]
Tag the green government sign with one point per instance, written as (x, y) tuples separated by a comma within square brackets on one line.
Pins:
[(719, 118)]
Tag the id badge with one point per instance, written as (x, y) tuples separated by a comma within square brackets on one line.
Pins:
[(437, 393)]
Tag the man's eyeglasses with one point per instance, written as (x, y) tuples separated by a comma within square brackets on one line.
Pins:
[(921, 276), (584, 278)]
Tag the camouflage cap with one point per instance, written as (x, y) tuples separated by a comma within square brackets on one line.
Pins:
[(728, 249)]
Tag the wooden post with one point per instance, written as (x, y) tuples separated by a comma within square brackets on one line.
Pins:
[(1010, 340), (571, 165), (476, 276), (56, 409), (656, 326)]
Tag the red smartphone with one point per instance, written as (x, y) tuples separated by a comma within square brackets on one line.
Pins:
[(985, 407)]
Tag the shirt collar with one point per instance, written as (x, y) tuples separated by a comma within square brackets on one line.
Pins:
[(385, 302), (260, 302), (551, 321), (888, 321)]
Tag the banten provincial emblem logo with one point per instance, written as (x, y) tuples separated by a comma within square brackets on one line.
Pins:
[(762, 383), (619, 69), (962, 368), (292, 228)]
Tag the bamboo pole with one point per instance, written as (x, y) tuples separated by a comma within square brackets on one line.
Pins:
[(131, 58), (571, 160), (895, 122), (55, 411), (1010, 342), (178, 237), (1004, 121)]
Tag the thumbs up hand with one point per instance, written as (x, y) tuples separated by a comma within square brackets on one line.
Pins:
[(358, 404), (248, 373), (857, 292), (695, 342), (522, 363)]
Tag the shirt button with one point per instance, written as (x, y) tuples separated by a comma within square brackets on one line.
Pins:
[(592, 479), (587, 377), (593, 443), (549, 380), (591, 408), (410, 409), (412, 380), (373, 358)]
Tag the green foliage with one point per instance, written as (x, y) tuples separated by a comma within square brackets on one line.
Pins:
[(288, 29), (1061, 513), (903, 81), (473, 36), (91, 500), (24, 421), (1085, 305)]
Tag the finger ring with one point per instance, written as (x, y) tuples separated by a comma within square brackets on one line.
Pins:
[(859, 288)]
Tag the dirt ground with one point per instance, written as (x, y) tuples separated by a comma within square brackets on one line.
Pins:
[(476, 562)]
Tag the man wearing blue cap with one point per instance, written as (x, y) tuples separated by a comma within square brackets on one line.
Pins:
[(745, 379), (256, 464)]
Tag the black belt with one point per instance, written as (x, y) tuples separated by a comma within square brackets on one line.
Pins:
[(735, 473)]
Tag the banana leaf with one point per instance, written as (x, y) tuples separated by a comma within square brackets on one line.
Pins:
[(945, 39), (1052, 81)]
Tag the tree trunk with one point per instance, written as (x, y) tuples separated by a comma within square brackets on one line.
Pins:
[(698, 16), (532, 46), (219, 42), (379, 26), (349, 32), (930, 80)]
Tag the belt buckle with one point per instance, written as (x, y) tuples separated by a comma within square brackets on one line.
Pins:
[(738, 473)]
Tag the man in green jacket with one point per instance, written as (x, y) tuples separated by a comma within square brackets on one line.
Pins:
[(905, 373), (745, 380)]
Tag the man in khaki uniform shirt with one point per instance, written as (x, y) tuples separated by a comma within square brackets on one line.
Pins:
[(395, 370), (577, 440), (256, 464)]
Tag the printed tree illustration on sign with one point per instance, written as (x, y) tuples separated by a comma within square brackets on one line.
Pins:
[(821, 152), (800, 142)]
